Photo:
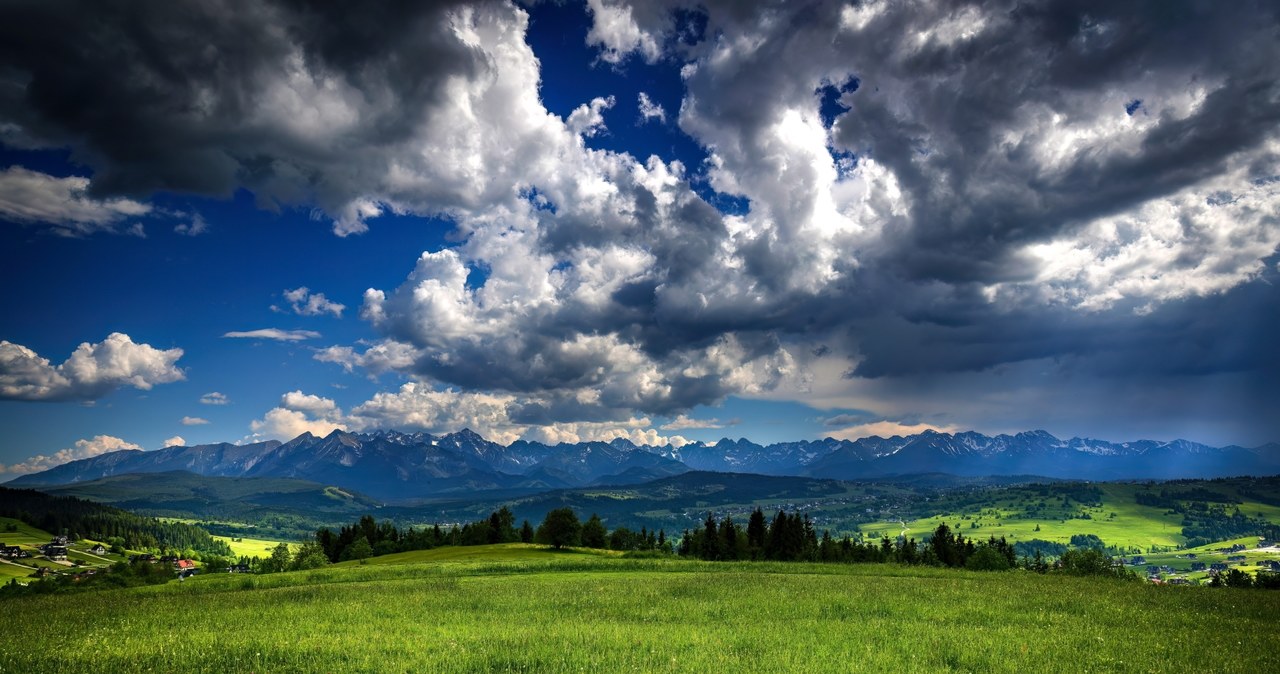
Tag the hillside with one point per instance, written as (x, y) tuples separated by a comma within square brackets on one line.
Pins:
[(501, 611), (1125, 516), (1021, 509), (79, 518), (187, 495)]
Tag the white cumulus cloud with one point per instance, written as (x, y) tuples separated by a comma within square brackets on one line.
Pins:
[(92, 370), (588, 119), (615, 30), (83, 449), (650, 109), (306, 303)]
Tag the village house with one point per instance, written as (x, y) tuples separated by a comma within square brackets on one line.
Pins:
[(55, 551), (11, 552), (98, 549)]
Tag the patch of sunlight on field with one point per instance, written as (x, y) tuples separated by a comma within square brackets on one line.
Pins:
[(1119, 522), (252, 547), (485, 553)]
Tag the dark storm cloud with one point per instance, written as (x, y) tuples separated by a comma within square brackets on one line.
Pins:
[(978, 196), (965, 105), (183, 96), (900, 233)]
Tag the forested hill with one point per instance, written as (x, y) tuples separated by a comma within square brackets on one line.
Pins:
[(78, 518)]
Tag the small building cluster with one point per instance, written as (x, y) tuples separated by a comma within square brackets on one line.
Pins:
[(55, 550), (13, 552)]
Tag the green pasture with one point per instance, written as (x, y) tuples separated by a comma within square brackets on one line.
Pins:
[(521, 609), (26, 535), (252, 547), (506, 552), (8, 571), (1120, 521), (1181, 561)]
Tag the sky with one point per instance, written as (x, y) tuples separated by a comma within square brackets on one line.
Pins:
[(668, 221)]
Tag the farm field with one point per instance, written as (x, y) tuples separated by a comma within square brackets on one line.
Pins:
[(1181, 560), (506, 552), (517, 608), (26, 535), (1119, 520), (252, 547)]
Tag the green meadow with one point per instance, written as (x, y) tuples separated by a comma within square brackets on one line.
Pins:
[(26, 535), (251, 547), (1180, 560), (1119, 520), (526, 609)]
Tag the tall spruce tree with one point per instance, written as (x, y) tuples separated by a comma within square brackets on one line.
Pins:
[(757, 529), (710, 539)]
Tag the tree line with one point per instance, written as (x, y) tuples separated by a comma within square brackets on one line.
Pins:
[(560, 528), (77, 518), (793, 538)]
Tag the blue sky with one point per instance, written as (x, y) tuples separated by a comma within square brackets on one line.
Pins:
[(667, 221)]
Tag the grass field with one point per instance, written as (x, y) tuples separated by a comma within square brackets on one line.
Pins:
[(516, 608), (8, 570), (509, 552), (26, 535), (1181, 561), (252, 547), (1119, 521)]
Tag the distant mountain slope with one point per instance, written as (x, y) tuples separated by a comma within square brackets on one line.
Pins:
[(1040, 453), (671, 502), (184, 494), (222, 459), (392, 465), (386, 465)]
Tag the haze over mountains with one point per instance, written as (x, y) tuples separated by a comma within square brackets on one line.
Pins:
[(390, 464)]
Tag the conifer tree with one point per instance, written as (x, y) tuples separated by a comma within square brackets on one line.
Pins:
[(710, 539), (757, 529), (728, 539)]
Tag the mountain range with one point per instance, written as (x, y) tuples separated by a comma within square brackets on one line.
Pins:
[(394, 465)]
